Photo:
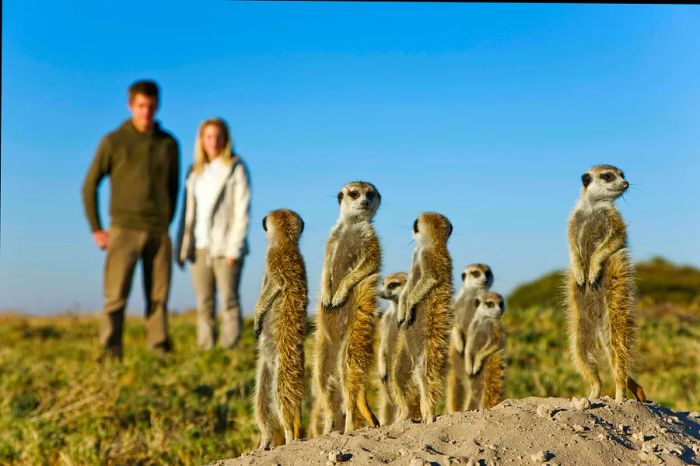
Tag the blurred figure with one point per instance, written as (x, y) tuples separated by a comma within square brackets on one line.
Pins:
[(142, 162), (213, 231)]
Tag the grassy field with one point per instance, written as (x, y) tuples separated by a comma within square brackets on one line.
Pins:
[(59, 406)]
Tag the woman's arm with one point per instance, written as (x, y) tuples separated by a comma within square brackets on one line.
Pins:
[(235, 242)]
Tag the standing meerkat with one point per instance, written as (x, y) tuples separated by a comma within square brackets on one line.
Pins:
[(280, 321), (425, 313), (600, 289), (476, 279), (388, 351), (346, 317), (483, 356)]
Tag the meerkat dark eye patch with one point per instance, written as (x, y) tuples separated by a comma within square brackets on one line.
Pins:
[(354, 194), (392, 285), (608, 177), (415, 226), (264, 222), (489, 304), (475, 273), (586, 179)]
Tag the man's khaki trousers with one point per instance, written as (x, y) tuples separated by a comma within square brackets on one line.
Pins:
[(126, 246), (209, 275)]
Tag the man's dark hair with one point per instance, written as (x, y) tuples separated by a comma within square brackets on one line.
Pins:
[(146, 87)]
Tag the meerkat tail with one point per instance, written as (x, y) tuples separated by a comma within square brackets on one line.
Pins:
[(636, 390), (493, 380)]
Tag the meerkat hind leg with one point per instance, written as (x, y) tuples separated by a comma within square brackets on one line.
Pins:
[(265, 411)]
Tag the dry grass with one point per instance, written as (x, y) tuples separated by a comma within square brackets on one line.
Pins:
[(58, 406)]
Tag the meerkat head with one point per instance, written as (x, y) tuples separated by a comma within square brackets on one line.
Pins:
[(603, 183), (478, 276), (490, 304), (431, 228), (282, 225), (359, 199), (392, 286)]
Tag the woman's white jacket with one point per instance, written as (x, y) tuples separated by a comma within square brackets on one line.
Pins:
[(228, 227)]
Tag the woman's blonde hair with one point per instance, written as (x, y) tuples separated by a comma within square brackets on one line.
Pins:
[(226, 155)]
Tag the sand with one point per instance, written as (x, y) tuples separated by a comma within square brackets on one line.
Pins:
[(553, 431)]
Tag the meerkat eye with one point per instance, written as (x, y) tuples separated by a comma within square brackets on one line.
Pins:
[(489, 304), (264, 222), (415, 226), (392, 285), (475, 273), (607, 177), (354, 194)]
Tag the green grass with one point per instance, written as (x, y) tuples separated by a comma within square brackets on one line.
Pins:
[(58, 406)]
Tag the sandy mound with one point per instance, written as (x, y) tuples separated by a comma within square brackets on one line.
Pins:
[(529, 431)]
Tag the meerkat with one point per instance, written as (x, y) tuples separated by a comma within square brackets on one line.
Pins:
[(483, 355), (600, 288), (388, 351), (476, 279), (425, 317), (346, 317), (280, 324)]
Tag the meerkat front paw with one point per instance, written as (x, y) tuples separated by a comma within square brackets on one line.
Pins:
[(401, 313), (458, 342), (411, 316), (594, 278), (339, 299), (579, 277), (326, 303), (468, 367)]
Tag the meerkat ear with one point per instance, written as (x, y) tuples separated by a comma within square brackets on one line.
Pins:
[(586, 179), (449, 228), (301, 221), (264, 223), (340, 197), (464, 275), (415, 226), (477, 302)]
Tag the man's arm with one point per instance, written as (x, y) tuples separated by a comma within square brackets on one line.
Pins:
[(100, 167), (174, 180)]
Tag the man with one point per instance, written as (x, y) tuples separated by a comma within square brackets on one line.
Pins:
[(142, 162)]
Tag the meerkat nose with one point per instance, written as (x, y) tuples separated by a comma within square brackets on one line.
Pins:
[(364, 203), (626, 184)]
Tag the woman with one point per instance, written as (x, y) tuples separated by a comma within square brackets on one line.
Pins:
[(213, 231)]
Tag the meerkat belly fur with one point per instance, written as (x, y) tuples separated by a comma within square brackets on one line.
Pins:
[(476, 279), (280, 321), (346, 319), (388, 351), (600, 288), (425, 316), (483, 355)]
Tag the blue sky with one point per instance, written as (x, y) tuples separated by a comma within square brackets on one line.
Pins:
[(486, 113)]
